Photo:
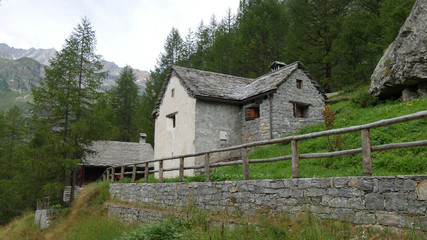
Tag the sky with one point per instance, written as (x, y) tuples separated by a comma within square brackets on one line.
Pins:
[(128, 32)]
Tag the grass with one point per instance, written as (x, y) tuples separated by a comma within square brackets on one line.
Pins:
[(85, 219)]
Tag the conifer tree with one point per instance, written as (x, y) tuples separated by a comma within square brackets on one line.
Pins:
[(63, 99), (125, 99)]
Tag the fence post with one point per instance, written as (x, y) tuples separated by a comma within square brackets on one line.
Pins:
[(134, 173), (113, 173), (146, 173), (108, 174), (366, 152), (181, 169), (207, 168), (122, 173), (245, 160), (160, 171), (295, 159)]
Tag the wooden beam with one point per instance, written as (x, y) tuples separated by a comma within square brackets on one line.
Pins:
[(146, 173), (160, 171), (112, 174), (366, 152), (133, 173), (207, 168), (295, 159), (181, 169), (244, 152), (122, 173)]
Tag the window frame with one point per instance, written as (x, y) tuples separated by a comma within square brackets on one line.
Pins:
[(252, 112), (299, 83), (172, 117)]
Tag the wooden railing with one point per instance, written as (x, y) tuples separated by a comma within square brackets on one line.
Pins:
[(366, 149)]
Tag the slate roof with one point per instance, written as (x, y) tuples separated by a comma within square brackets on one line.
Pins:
[(222, 87), (112, 153)]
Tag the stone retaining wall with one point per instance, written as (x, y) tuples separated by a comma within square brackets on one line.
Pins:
[(398, 201)]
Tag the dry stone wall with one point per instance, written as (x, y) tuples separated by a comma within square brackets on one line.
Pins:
[(398, 201)]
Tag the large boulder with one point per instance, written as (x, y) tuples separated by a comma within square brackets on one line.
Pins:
[(402, 71)]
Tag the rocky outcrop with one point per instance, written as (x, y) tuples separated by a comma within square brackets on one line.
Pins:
[(402, 71)]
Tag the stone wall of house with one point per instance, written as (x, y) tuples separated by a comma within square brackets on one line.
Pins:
[(282, 116), (257, 129), (218, 125), (284, 121), (396, 201)]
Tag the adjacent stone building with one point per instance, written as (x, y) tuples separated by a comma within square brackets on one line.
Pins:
[(113, 153), (200, 110)]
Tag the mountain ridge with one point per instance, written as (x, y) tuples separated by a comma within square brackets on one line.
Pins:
[(21, 76)]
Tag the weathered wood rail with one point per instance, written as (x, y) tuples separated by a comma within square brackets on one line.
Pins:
[(366, 150)]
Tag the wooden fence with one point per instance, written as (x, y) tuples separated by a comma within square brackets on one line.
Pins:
[(366, 149)]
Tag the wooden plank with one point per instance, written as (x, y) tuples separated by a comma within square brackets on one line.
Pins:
[(112, 174), (161, 171), (295, 159), (108, 174), (133, 173), (146, 173), (122, 174), (244, 152), (207, 168), (366, 152), (181, 169)]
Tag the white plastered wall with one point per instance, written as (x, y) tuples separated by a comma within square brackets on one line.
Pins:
[(173, 141)]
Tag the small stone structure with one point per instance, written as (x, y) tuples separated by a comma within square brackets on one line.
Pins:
[(42, 217), (199, 111), (402, 70), (112, 153), (396, 201)]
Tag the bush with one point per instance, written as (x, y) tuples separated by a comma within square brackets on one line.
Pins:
[(364, 99), (163, 230)]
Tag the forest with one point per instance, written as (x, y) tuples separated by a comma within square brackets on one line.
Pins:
[(339, 41)]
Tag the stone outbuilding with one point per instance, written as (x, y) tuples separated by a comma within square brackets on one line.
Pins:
[(199, 110), (113, 153)]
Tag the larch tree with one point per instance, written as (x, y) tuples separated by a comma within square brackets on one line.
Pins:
[(63, 99)]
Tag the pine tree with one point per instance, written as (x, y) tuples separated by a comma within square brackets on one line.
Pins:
[(125, 99)]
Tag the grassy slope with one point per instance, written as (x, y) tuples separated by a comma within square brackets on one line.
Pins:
[(8, 99)]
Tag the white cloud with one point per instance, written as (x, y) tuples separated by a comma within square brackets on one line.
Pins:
[(128, 31)]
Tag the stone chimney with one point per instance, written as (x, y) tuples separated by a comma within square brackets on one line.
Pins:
[(142, 137), (276, 65)]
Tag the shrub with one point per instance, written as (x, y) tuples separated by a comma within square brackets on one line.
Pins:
[(364, 99)]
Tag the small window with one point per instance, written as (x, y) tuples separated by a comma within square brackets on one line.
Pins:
[(173, 92), (172, 120), (252, 113), (299, 84), (300, 111)]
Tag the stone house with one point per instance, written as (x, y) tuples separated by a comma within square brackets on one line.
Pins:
[(113, 153), (199, 110)]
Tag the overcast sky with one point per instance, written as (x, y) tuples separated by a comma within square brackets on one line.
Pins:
[(128, 31)]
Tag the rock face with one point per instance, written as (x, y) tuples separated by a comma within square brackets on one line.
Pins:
[(402, 71)]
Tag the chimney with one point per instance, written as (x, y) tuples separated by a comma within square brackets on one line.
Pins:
[(276, 65), (142, 137)]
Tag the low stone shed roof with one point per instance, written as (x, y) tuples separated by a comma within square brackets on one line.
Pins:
[(112, 153), (223, 87)]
